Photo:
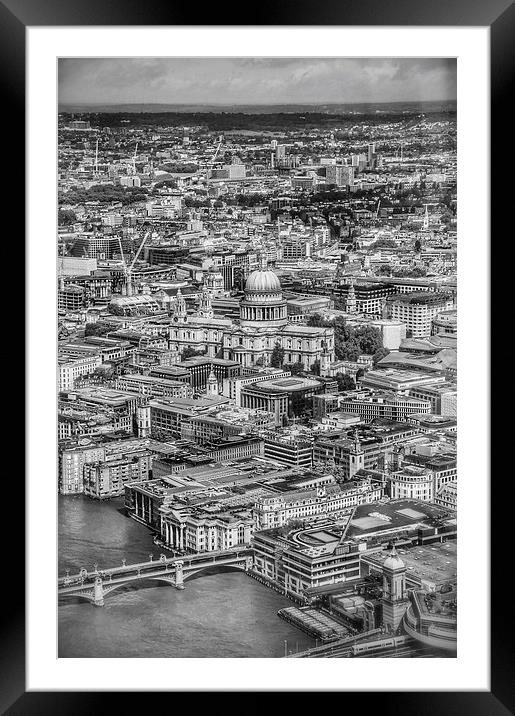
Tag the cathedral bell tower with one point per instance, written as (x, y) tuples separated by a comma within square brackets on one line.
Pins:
[(205, 309), (179, 314)]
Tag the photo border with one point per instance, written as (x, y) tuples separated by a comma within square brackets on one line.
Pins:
[(15, 16)]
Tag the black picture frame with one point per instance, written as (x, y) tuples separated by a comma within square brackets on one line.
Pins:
[(498, 15)]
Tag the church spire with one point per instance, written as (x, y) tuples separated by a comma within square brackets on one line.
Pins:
[(212, 384), (356, 442)]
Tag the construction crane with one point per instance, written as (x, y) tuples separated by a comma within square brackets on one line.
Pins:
[(134, 158), (127, 270), (426, 215), (96, 157), (213, 159)]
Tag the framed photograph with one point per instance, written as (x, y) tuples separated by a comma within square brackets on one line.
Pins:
[(256, 460)]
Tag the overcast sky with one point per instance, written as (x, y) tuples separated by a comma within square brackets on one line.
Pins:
[(254, 80)]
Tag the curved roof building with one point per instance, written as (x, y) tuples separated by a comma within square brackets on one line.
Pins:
[(133, 305)]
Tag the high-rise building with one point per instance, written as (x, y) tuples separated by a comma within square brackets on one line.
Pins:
[(78, 124), (339, 174), (95, 246), (371, 156)]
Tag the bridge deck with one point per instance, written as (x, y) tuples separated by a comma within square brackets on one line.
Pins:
[(154, 568)]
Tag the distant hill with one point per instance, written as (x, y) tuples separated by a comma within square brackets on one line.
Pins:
[(330, 108)]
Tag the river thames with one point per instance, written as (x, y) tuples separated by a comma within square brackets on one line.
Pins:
[(226, 614)]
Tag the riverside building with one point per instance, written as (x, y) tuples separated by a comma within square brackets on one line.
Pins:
[(278, 510)]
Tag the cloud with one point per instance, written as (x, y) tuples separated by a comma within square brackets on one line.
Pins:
[(259, 80)]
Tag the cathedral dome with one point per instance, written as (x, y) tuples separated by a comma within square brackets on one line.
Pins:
[(263, 304), (263, 280)]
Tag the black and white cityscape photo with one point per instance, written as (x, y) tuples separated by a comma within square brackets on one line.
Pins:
[(257, 326)]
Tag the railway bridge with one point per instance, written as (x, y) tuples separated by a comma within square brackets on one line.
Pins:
[(97, 584)]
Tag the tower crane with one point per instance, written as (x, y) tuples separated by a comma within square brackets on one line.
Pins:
[(426, 217), (134, 157), (127, 270), (213, 158)]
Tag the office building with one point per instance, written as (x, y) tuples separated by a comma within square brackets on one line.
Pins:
[(418, 309)]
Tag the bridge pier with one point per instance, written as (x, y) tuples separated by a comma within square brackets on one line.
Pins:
[(179, 576), (98, 593)]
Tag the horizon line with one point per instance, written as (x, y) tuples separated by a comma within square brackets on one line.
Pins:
[(261, 104), (62, 107)]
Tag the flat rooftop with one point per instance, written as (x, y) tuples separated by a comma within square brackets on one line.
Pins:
[(421, 297), (100, 394), (288, 383), (152, 380), (187, 403), (170, 370), (401, 376), (396, 514), (435, 564)]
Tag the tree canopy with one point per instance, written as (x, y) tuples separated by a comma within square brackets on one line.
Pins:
[(295, 368), (65, 217), (406, 272), (104, 194), (180, 167), (98, 329), (277, 357), (190, 353), (379, 355), (345, 382), (350, 342), (384, 244)]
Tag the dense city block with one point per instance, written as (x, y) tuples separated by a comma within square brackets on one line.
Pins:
[(257, 322)]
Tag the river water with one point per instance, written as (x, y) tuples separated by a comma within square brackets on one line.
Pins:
[(217, 615)]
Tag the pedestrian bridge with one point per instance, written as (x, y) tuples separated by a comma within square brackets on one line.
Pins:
[(97, 584)]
